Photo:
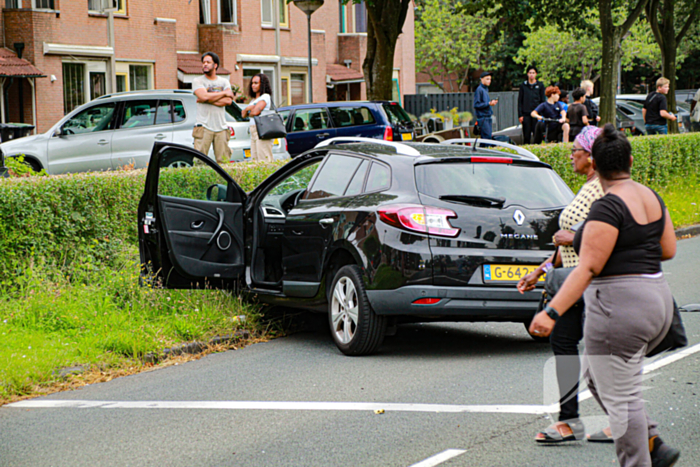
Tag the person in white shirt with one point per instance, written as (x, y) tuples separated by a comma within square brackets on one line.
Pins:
[(261, 92), (213, 94), (695, 112)]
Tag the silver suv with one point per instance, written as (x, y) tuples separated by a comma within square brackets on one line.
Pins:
[(119, 130)]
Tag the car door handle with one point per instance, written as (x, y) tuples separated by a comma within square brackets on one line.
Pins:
[(326, 221), (102, 142), (160, 136), (322, 135), (218, 227), (196, 225)]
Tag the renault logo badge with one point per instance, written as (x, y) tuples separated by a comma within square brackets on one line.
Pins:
[(519, 217)]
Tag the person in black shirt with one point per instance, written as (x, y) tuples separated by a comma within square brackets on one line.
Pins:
[(556, 131), (530, 95), (577, 114), (591, 107), (655, 110)]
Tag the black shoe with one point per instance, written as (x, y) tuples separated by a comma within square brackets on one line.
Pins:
[(662, 455)]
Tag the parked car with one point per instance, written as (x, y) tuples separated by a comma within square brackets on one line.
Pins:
[(117, 130), (309, 124), (371, 233), (3, 169)]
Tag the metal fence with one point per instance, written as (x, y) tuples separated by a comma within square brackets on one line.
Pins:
[(505, 113)]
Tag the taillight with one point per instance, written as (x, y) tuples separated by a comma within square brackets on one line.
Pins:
[(426, 301), (233, 132), (496, 160), (423, 219), (388, 133)]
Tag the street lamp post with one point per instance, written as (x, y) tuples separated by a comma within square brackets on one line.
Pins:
[(308, 7)]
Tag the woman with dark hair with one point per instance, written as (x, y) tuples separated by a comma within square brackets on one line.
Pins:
[(568, 331), (260, 91), (629, 307)]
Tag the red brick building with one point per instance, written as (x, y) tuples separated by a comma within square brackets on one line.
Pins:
[(157, 44)]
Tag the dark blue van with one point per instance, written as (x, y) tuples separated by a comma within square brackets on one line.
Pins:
[(309, 124)]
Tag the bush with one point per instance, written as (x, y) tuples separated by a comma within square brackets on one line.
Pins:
[(88, 217)]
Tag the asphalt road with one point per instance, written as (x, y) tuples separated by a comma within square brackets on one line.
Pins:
[(474, 392)]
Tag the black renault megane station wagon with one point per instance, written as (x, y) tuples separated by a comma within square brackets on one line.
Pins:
[(374, 233)]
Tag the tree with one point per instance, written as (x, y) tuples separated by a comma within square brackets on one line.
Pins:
[(578, 50), (661, 15), (385, 23), (449, 44)]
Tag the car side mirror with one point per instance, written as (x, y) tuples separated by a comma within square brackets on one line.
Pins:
[(59, 132), (217, 192)]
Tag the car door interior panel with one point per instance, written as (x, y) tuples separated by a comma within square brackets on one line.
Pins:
[(202, 237)]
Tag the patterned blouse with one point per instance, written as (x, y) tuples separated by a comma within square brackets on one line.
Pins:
[(577, 212)]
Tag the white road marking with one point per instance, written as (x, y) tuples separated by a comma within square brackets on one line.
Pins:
[(328, 406), (439, 458)]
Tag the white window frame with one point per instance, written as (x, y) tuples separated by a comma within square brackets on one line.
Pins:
[(121, 9), (15, 4), (206, 10), (34, 7), (234, 7), (271, 23)]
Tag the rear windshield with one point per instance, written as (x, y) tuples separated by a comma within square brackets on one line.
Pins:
[(529, 187), (396, 114)]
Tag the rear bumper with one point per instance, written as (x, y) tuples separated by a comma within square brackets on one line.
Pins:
[(457, 303)]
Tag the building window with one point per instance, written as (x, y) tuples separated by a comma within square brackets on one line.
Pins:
[(298, 88), (139, 77), (360, 17), (204, 13), (73, 86), (248, 74), (99, 6), (13, 3), (286, 92), (266, 9), (98, 84), (44, 4), (227, 11)]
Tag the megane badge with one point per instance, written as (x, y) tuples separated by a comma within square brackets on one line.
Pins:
[(519, 217)]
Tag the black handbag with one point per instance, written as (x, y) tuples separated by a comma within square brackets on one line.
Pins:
[(675, 338), (270, 126)]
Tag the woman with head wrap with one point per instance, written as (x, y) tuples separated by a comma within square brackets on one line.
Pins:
[(569, 329)]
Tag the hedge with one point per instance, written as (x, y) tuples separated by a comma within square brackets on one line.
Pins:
[(90, 217)]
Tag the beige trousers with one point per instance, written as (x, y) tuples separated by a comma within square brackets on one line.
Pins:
[(203, 139), (260, 149)]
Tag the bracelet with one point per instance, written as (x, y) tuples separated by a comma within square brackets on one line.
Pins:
[(551, 312)]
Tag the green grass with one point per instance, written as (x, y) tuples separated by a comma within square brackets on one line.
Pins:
[(102, 318), (682, 198)]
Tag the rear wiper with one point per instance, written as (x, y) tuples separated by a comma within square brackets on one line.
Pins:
[(481, 201)]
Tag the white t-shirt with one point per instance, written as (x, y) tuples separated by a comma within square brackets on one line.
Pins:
[(268, 105), (695, 117), (212, 117)]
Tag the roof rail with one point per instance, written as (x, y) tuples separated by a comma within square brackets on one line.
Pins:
[(145, 91), (399, 147), (485, 143)]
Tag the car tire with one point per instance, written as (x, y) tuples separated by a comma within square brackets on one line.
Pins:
[(535, 337), (178, 161), (355, 327)]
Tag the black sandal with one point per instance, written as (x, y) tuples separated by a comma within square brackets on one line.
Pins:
[(561, 432)]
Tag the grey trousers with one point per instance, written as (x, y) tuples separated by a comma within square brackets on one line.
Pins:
[(625, 315)]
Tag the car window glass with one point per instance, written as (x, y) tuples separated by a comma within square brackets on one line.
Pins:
[(351, 116), (355, 186), (379, 178), (233, 113), (310, 119), (182, 175), (178, 112), (285, 115), (333, 177), (138, 114), (626, 111), (298, 180), (512, 182), (163, 113), (397, 115), (96, 118)]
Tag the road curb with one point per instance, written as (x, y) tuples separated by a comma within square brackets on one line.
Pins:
[(690, 231)]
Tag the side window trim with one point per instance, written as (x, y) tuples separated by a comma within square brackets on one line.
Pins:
[(364, 180), (320, 170)]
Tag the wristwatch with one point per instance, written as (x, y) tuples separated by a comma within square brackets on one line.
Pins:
[(551, 312)]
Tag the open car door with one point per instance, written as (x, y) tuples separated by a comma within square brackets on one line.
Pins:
[(190, 221)]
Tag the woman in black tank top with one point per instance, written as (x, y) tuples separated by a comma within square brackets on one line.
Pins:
[(629, 306)]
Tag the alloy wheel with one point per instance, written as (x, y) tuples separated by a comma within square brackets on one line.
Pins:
[(344, 310)]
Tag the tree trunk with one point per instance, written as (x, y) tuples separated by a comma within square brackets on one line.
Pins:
[(608, 70), (669, 47), (386, 19)]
